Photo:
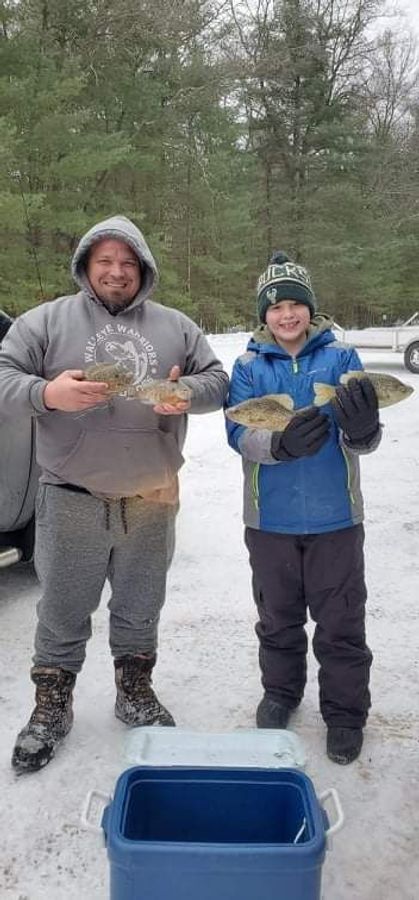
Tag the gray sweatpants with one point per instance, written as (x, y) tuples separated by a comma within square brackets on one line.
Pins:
[(81, 541)]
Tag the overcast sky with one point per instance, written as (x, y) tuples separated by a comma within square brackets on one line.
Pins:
[(411, 8)]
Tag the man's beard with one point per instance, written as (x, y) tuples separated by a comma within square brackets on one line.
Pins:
[(116, 306)]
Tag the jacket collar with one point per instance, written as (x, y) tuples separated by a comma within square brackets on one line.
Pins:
[(319, 332)]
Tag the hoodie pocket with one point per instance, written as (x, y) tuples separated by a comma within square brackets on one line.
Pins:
[(121, 462)]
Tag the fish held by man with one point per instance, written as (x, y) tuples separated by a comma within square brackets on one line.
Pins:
[(121, 383), (116, 377), (274, 411), (162, 391)]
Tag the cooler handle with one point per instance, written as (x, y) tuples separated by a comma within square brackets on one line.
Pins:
[(99, 800), (340, 818)]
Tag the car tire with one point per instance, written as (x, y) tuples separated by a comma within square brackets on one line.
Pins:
[(411, 357)]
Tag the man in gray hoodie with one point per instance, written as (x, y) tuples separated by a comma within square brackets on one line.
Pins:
[(108, 492)]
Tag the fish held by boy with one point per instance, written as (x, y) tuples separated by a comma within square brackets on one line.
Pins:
[(154, 392), (274, 411), (388, 388)]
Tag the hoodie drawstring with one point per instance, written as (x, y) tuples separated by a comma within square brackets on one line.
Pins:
[(107, 514), (122, 510)]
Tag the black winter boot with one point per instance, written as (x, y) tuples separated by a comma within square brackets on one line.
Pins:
[(271, 714), (344, 744), (50, 721), (136, 703)]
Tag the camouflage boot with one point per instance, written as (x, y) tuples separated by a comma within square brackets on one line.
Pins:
[(50, 721), (136, 702)]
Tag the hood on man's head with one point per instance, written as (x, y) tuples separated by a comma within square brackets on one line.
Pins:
[(284, 280), (121, 229)]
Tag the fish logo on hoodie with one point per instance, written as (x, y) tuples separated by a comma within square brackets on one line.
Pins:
[(126, 347)]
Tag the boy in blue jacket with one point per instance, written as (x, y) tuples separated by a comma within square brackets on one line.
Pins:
[(303, 509)]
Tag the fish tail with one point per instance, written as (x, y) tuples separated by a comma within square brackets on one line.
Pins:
[(323, 393)]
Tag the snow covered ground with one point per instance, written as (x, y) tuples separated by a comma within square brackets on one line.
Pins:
[(208, 676)]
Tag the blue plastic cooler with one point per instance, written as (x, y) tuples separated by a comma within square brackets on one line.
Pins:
[(183, 833)]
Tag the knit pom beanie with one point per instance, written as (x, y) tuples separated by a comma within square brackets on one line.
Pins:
[(284, 280)]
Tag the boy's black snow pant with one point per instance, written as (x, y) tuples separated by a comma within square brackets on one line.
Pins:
[(324, 573)]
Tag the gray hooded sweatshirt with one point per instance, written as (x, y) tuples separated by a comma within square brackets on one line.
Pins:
[(120, 448)]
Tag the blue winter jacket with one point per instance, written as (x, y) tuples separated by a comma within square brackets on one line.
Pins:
[(312, 494)]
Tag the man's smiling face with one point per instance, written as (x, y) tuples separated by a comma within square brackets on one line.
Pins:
[(113, 270)]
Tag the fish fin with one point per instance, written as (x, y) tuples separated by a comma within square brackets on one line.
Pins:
[(323, 393), (356, 373), (286, 401)]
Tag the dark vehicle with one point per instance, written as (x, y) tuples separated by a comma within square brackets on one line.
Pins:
[(18, 483)]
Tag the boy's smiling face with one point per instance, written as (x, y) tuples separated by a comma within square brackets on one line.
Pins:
[(288, 322)]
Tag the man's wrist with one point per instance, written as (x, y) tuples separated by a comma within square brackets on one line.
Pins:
[(46, 398)]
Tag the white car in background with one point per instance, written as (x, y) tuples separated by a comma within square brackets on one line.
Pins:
[(18, 483), (402, 338)]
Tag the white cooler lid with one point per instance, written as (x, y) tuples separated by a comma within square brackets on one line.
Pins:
[(256, 747)]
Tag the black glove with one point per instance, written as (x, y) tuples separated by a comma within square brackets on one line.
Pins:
[(356, 410), (304, 436)]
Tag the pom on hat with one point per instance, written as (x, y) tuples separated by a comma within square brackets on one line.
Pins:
[(278, 257), (284, 280)]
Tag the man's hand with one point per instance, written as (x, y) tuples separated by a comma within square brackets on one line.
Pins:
[(70, 392), (166, 409), (356, 410)]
